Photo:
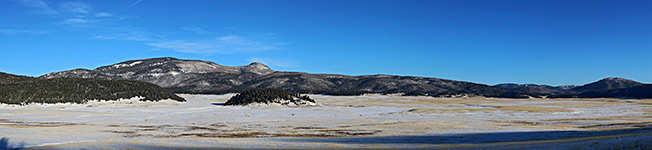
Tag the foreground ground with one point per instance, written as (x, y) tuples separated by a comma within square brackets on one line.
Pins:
[(371, 121)]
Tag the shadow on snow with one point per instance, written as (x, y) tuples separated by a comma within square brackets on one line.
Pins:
[(218, 104), (475, 138), (4, 144)]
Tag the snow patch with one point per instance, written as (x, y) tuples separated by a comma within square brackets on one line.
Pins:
[(156, 74), (156, 64), (283, 103), (94, 103), (174, 73), (126, 65)]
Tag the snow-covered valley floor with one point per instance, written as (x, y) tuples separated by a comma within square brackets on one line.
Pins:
[(370, 121)]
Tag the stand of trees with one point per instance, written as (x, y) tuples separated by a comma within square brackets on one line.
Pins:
[(24, 90), (266, 96)]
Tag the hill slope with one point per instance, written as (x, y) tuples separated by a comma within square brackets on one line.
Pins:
[(204, 77), (641, 91), (608, 84), (23, 90), (539, 89), (196, 76)]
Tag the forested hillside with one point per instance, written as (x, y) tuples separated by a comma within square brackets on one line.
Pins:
[(23, 90)]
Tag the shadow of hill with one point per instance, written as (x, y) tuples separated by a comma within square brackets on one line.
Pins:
[(475, 138), (218, 104), (4, 144), (642, 141)]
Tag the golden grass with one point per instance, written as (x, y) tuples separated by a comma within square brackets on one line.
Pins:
[(576, 104), (412, 101), (603, 118), (498, 108), (417, 102), (533, 109)]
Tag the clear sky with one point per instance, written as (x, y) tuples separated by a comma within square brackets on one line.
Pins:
[(484, 41)]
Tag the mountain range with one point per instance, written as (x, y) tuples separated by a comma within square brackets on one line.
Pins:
[(605, 88), (204, 77)]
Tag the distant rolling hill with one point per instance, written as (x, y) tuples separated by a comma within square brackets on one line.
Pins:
[(641, 91), (605, 88), (196, 76), (611, 88), (16, 89), (538, 89), (608, 84), (204, 77)]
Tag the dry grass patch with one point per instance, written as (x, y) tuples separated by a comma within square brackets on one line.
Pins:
[(416, 101), (619, 125), (497, 108), (601, 118), (570, 104), (532, 109)]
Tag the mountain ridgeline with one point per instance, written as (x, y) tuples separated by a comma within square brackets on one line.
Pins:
[(204, 77), (605, 88), (16, 89)]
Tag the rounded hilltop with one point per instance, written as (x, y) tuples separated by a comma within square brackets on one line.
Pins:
[(269, 96)]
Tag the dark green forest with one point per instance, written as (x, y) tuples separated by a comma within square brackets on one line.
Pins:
[(24, 90), (266, 96)]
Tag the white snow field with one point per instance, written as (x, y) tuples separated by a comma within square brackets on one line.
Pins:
[(339, 122)]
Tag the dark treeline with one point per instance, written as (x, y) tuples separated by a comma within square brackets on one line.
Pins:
[(240, 89), (471, 91), (266, 96), (23, 90)]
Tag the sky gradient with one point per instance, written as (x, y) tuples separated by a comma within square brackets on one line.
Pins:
[(484, 41)]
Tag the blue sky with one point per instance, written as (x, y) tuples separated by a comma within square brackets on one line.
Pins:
[(484, 41)]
